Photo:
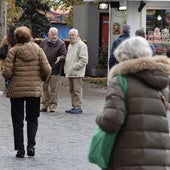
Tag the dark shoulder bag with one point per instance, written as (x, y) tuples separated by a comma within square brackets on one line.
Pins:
[(3, 52)]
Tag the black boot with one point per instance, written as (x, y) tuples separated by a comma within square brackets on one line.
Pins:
[(20, 154), (30, 151)]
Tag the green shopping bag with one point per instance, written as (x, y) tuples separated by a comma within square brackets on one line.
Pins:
[(102, 143), (101, 147)]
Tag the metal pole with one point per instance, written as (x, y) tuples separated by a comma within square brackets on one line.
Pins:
[(109, 41), (3, 18)]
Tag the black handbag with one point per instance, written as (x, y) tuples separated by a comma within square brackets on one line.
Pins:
[(3, 52)]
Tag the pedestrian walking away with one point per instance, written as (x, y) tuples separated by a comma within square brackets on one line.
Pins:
[(7, 42), (74, 69), (143, 140), (125, 34), (25, 69), (168, 52), (141, 32), (55, 51)]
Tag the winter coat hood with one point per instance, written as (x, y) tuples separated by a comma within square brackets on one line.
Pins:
[(143, 140), (29, 49), (25, 68), (151, 70)]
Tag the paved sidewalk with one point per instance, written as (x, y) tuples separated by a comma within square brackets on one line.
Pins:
[(62, 138)]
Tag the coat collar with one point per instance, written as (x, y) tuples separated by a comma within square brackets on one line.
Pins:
[(131, 66)]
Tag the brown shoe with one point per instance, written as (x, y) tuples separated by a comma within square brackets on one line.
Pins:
[(43, 109)]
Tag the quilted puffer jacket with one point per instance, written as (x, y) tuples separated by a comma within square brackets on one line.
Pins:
[(143, 142), (26, 67)]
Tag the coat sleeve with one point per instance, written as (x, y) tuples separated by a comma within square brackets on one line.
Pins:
[(45, 67), (113, 114), (62, 52), (82, 57)]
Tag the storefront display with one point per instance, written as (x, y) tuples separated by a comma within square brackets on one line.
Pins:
[(158, 29)]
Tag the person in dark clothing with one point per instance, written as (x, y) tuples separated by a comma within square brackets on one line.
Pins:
[(117, 42), (168, 52), (55, 51), (7, 42), (141, 33)]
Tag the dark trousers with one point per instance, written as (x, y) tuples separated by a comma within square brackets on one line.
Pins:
[(31, 106)]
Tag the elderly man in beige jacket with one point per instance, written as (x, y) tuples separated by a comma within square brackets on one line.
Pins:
[(75, 67)]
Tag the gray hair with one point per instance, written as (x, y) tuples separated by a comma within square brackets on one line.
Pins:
[(53, 29), (131, 48), (126, 29)]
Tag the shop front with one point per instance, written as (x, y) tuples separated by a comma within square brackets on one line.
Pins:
[(154, 18), (158, 28), (101, 27)]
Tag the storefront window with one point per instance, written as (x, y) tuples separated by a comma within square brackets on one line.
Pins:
[(158, 25), (158, 29)]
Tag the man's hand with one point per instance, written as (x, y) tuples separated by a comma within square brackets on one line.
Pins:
[(58, 59)]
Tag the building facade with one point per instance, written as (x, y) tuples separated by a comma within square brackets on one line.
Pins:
[(94, 24)]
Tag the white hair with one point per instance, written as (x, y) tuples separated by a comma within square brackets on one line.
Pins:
[(74, 30), (131, 48), (53, 29)]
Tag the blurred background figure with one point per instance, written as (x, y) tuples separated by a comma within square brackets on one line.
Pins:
[(141, 33), (125, 34), (168, 52), (7, 42)]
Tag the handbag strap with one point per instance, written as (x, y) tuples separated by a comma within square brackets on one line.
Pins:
[(123, 84)]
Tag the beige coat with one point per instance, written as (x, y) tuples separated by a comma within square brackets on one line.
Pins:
[(76, 59), (26, 67), (143, 142)]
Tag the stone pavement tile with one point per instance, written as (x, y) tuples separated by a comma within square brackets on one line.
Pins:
[(62, 138)]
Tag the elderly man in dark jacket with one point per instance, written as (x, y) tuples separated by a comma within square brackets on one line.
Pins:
[(55, 51), (117, 42)]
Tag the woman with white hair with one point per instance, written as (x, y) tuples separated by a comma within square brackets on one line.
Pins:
[(143, 140)]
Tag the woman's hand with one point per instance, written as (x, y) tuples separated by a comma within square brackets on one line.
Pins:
[(167, 105)]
